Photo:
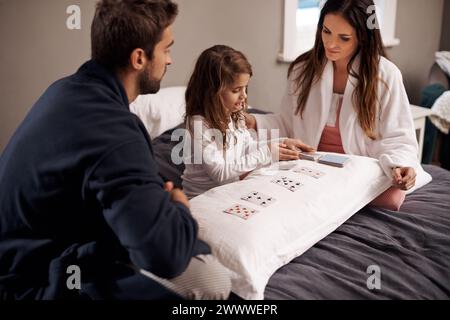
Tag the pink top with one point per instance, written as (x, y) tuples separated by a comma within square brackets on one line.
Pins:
[(331, 141)]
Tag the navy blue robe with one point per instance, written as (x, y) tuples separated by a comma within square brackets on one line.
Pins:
[(79, 186)]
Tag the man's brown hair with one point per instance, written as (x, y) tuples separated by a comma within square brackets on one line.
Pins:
[(121, 26)]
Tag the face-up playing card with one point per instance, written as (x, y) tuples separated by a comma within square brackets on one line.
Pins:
[(241, 211), (259, 198), (290, 184), (310, 172)]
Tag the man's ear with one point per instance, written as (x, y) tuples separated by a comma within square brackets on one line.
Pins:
[(138, 59)]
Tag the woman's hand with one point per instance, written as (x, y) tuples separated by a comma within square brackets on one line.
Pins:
[(404, 178), (250, 121), (289, 149)]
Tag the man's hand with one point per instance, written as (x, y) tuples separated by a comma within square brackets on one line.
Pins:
[(404, 178), (176, 195), (250, 121), (168, 186)]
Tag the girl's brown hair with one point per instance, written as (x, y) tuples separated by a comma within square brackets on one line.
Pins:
[(215, 71), (311, 64)]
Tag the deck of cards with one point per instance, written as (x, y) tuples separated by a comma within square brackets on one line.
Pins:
[(311, 156), (334, 160)]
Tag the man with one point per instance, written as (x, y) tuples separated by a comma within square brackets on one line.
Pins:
[(80, 194)]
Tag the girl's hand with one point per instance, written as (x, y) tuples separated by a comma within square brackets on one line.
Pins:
[(297, 145), (404, 178), (281, 152)]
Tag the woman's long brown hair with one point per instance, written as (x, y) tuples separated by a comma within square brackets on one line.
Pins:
[(216, 69), (311, 64)]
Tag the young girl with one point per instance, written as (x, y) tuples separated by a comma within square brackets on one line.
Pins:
[(345, 96), (219, 148)]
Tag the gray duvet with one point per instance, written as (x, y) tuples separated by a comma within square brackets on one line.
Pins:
[(379, 254)]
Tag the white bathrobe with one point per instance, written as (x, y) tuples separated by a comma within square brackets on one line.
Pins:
[(396, 146), (207, 165)]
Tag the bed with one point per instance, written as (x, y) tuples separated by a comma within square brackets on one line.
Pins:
[(375, 254), (410, 248)]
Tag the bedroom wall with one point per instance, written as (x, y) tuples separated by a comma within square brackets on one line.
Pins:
[(419, 24), (253, 26), (257, 30), (37, 48), (445, 37)]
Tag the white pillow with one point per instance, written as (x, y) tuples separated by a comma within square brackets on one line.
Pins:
[(254, 249), (160, 111)]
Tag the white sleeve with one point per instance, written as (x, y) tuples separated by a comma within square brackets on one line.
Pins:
[(223, 165), (397, 145), (283, 120)]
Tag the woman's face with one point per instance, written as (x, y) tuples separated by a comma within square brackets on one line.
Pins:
[(235, 95), (338, 37)]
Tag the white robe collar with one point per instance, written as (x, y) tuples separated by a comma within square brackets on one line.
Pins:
[(347, 120)]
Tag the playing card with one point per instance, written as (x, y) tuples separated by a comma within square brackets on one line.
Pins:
[(290, 184), (310, 172), (241, 211), (259, 198)]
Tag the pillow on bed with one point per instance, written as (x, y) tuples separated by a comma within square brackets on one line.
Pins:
[(255, 248), (162, 151), (160, 111)]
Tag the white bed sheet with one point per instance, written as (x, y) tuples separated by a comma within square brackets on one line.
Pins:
[(254, 249)]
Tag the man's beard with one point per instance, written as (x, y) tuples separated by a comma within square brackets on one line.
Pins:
[(147, 84)]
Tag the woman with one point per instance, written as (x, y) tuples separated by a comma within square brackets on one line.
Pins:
[(345, 96)]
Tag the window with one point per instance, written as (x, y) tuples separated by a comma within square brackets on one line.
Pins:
[(300, 24)]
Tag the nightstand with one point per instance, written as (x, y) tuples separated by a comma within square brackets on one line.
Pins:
[(419, 115)]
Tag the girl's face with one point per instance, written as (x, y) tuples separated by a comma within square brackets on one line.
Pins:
[(234, 96), (338, 37)]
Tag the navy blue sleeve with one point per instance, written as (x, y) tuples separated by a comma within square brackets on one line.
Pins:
[(160, 235)]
